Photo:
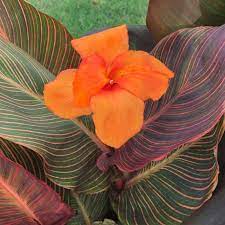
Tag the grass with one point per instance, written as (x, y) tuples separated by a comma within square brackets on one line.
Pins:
[(82, 16)]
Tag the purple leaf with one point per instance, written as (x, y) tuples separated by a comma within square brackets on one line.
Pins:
[(193, 104)]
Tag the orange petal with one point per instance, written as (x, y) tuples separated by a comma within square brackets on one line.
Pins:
[(108, 44), (141, 74), (118, 115), (58, 96), (90, 78)]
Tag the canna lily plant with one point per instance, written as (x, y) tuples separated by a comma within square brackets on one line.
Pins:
[(120, 126), (111, 82)]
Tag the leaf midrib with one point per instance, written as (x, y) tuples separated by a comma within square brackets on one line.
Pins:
[(19, 202), (139, 177), (156, 168)]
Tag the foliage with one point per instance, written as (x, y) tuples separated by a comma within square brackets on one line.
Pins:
[(168, 191), (105, 222), (26, 200), (180, 103), (160, 176)]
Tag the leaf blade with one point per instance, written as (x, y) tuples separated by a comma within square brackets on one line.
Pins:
[(193, 104), (90, 208), (33, 163), (41, 36), (68, 151), (169, 191), (94, 206), (19, 193)]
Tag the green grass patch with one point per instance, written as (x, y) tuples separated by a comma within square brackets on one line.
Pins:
[(82, 16)]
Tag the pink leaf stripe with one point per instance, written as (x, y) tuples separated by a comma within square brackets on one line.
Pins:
[(193, 104), (39, 35), (3, 34), (26, 200)]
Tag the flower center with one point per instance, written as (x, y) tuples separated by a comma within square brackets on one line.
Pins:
[(111, 82)]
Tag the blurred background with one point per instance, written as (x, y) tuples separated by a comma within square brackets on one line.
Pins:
[(82, 16)]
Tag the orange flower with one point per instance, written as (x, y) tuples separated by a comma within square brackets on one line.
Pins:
[(111, 82)]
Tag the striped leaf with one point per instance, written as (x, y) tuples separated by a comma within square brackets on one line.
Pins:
[(26, 200), (221, 161), (167, 16), (40, 35), (68, 148), (193, 103), (92, 206), (33, 163), (105, 222), (167, 192), (212, 213)]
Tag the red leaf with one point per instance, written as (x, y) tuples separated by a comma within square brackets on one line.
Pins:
[(26, 200)]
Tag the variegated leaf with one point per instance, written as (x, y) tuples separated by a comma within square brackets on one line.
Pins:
[(41, 36), (105, 222), (192, 105), (26, 200), (212, 213), (92, 207), (169, 191), (68, 148), (33, 163)]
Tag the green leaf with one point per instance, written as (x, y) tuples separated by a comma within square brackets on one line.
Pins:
[(169, 191), (26, 200), (68, 147), (94, 206), (41, 36), (105, 222), (167, 16), (90, 208), (212, 213)]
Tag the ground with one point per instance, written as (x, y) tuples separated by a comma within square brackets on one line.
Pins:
[(82, 16)]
